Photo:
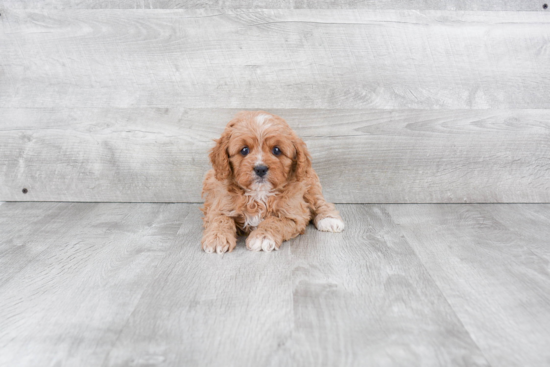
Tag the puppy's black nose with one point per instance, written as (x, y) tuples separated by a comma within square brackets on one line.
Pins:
[(261, 170)]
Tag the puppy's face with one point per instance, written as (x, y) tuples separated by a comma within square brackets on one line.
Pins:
[(258, 149)]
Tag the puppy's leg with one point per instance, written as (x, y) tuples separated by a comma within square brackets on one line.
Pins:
[(325, 216), (220, 235), (271, 233)]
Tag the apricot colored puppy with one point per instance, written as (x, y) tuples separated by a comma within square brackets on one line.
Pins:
[(263, 185)]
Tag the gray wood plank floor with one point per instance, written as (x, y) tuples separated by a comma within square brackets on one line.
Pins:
[(492, 271), (127, 284)]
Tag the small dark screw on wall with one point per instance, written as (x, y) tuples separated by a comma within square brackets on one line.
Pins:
[(25, 191), (545, 6)]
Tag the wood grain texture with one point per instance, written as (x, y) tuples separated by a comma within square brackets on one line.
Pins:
[(493, 276), (525, 222), (18, 247), (362, 298), (67, 306), (160, 155), (127, 284), (274, 59), (234, 310), (513, 5)]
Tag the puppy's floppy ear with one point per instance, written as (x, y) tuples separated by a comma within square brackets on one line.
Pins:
[(220, 157), (303, 159)]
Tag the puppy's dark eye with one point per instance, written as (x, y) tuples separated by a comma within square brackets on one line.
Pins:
[(245, 151), (276, 151)]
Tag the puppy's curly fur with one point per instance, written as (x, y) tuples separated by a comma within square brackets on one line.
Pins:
[(262, 184)]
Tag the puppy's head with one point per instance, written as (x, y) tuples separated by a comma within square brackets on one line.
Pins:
[(259, 148)]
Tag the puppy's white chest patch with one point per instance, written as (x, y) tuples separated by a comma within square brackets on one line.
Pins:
[(253, 221), (258, 193), (260, 196)]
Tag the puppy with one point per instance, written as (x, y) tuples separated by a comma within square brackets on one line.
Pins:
[(262, 184)]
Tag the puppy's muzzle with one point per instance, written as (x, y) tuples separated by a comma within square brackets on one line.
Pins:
[(261, 170)]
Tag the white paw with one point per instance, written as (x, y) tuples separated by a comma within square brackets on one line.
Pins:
[(261, 242), (219, 247), (218, 243), (330, 225)]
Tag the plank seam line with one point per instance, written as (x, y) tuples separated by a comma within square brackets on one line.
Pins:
[(443, 294), (144, 290), (232, 10)]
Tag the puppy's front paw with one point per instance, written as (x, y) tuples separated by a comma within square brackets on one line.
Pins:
[(330, 225), (218, 242), (259, 240)]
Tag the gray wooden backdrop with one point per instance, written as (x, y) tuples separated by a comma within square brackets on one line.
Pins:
[(398, 101)]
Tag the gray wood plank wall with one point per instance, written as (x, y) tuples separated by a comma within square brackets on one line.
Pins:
[(396, 105), (160, 154), (511, 5), (275, 59)]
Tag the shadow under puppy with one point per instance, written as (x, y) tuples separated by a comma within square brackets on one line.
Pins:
[(263, 185)]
